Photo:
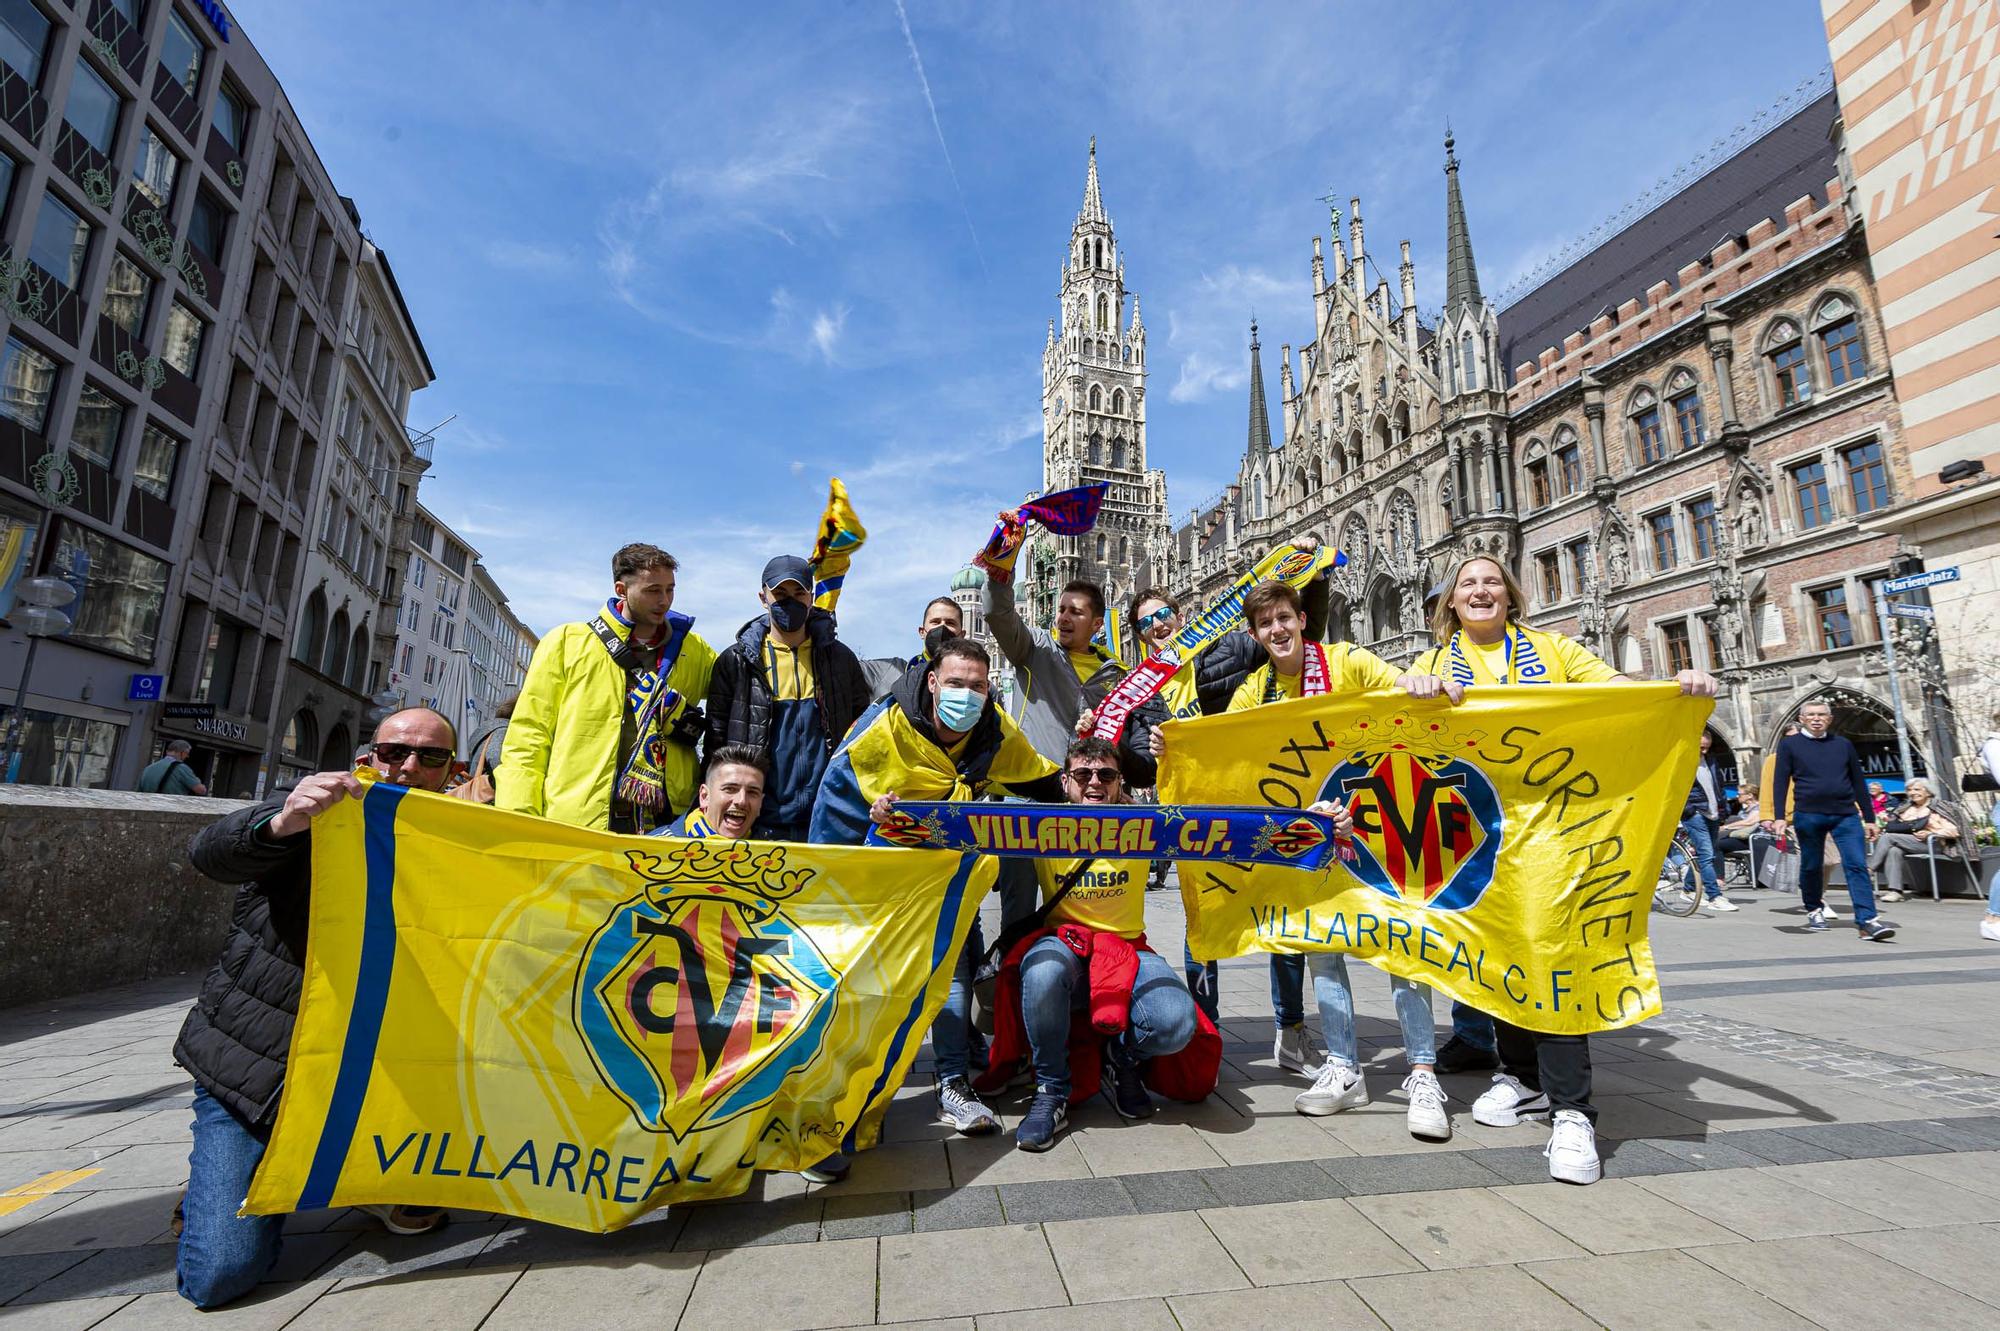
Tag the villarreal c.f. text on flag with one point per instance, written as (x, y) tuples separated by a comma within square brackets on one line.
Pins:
[(506, 1014), (1504, 851)]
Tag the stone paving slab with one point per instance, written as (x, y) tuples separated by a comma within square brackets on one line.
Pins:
[(1743, 1134)]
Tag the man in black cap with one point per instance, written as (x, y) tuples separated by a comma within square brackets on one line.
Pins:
[(789, 687)]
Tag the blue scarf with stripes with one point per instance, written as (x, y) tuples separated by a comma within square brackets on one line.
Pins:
[(1524, 663)]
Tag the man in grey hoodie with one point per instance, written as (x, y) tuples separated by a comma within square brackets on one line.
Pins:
[(1058, 675)]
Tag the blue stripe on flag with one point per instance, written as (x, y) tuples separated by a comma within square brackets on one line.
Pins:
[(371, 997), (941, 955)]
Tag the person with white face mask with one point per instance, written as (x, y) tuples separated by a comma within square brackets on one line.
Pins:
[(937, 736)]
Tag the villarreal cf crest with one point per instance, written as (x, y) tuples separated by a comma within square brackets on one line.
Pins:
[(698, 997), (1427, 823)]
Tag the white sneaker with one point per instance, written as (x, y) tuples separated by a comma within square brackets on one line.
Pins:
[(1427, 1118), (1293, 1050), (1989, 928), (1338, 1087), (1507, 1102), (1826, 908), (1722, 905), (1572, 1149)]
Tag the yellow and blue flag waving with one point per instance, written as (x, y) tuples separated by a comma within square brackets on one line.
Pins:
[(1506, 849), (840, 536), (506, 1014)]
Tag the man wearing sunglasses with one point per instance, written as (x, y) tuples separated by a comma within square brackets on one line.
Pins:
[(235, 1041), (1086, 968)]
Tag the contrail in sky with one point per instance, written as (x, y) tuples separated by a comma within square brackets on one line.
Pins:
[(938, 125)]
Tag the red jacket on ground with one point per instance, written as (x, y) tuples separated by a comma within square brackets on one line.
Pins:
[(1189, 1074)]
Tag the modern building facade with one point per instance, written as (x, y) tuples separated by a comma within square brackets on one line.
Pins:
[(433, 661), (1680, 442), (1094, 422), (345, 631), (177, 272), (1922, 139), (498, 647)]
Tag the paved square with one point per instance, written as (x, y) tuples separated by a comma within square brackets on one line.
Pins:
[(1776, 1156)]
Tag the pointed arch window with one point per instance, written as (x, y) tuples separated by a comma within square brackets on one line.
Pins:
[(1118, 454), (1839, 330), (1685, 398), (1540, 493), (1096, 398), (1117, 402), (1103, 312), (1257, 495), (1569, 465), (1094, 451), (1791, 375), (1470, 361), (1648, 433)]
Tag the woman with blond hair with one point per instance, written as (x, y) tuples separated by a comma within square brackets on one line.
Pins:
[(1482, 641), (1911, 830)]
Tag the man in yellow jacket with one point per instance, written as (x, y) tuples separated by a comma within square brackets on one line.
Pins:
[(604, 731)]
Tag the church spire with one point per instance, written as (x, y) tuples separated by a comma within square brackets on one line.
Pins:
[(1461, 274), (1093, 206), (1260, 420)]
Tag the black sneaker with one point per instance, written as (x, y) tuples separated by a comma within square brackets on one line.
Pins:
[(1122, 1083), (1459, 1055), (1877, 930), (1043, 1122)]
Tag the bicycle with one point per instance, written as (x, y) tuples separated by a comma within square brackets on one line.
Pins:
[(1676, 891)]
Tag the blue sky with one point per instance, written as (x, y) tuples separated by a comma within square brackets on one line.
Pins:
[(677, 264)]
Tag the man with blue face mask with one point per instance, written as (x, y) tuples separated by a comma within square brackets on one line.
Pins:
[(789, 687), (937, 736)]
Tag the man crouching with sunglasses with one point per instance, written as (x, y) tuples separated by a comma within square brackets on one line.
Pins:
[(235, 1041), (1098, 1008)]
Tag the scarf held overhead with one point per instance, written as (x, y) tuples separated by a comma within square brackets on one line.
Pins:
[(1065, 513), (505, 1014), (840, 536), (1287, 564)]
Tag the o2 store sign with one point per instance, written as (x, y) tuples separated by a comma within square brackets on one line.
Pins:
[(216, 16)]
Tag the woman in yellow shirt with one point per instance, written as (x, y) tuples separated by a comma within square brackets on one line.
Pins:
[(1481, 641)]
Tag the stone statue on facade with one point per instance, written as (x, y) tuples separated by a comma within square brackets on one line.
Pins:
[(1617, 558), (1750, 522)]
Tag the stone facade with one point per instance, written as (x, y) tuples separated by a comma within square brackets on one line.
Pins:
[(1686, 481), (1094, 423)]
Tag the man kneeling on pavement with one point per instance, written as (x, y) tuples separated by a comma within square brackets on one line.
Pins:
[(1082, 999), (236, 1040)]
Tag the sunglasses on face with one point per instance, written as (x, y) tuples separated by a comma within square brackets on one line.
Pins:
[(1160, 616), (1085, 775), (430, 756)]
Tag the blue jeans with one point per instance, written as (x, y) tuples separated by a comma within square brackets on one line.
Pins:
[(1055, 983), (222, 1255), (1473, 1027), (1845, 828), (951, 1031), (1202, 981), (1288, 989), (1335, 996), (1696, 829)]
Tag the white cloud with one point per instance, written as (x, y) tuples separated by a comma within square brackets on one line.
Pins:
[(826, 329), (1208, 325)]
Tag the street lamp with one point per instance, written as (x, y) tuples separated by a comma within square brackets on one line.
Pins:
[(39, 614)]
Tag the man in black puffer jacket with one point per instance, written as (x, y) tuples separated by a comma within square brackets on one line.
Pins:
[(235, 1041), (789, 687)]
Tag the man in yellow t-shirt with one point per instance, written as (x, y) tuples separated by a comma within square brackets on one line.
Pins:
[(1298, 668), (1107, 898)]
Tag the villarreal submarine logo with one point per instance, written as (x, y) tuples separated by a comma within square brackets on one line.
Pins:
[(1427, 823), (697, 998)]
